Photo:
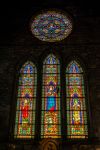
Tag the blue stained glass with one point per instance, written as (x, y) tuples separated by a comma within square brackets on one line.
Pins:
[(28, 69), (51, 103), (74, 68), (75, 99), (51, 99), (51, 59), (74, 80), (25, 112), (51, 26), (75, 103), (50, 125)]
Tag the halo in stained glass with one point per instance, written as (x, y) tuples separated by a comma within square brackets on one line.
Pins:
[(51, 26), (76, 111)]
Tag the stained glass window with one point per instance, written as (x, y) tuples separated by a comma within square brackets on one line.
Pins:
[(76, 106), (26, 102), (50, 120), (51, 26)]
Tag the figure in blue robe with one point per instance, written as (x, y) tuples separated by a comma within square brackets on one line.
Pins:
[(51, 98)]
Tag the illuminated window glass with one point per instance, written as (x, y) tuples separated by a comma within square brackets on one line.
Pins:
[(50, 120), (51, 26), (76, 108), (26, 102)]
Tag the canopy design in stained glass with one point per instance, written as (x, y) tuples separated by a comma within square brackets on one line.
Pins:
[(50, 119), (75, 98), (51, 26), (26, 99)]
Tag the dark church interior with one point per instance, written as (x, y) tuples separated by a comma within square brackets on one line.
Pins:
[(18, 45)]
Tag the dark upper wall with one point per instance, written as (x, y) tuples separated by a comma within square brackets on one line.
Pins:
[(14, 16)]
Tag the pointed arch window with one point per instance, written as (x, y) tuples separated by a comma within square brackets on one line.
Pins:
[(75, 99), (50, 120), (26, 102)]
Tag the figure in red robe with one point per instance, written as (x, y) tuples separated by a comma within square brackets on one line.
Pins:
[(24, 112)]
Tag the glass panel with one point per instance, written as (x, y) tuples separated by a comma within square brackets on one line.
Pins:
[(75, 100), (26, 102), (77, 131), (51, 26), (50, 120)]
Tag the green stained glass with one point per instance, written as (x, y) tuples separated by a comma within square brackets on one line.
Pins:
[(74, 79), (76, 104), (71, 90), (75, 100), (50, 119), (77, 131), (27, 79), (26, 102), (51, 26)]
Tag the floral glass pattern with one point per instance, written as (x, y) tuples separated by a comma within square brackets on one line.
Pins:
[(76, 107), (51, 26), (50, 120), (26, 102)]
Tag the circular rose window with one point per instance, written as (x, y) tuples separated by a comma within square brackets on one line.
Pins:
[(51, 26)]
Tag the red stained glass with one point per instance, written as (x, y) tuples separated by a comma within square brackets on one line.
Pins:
[(25, 112), (50, 124), (75, 98)]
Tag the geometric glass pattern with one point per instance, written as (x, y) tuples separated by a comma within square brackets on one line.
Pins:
[(75, 99), (51, 26), (50, 114), (26, 102)]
